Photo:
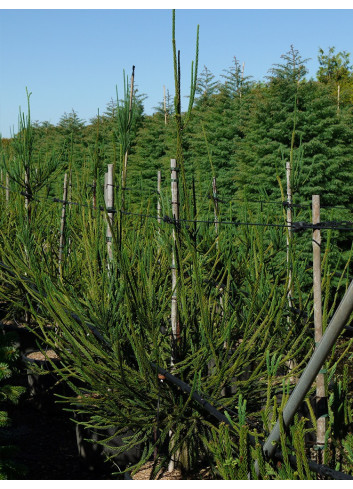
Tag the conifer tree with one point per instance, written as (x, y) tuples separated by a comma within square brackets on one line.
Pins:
[(336, 70), (206, 84), (236, 82), (8, 393), (71, 123), (293, 118)]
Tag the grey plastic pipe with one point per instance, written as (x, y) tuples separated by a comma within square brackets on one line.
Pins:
[(323, 348)]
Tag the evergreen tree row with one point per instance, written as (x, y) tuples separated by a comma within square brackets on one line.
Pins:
[(241, 131)]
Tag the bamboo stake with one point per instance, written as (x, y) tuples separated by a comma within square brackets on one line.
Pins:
[(28, 211), (291, 363), (159, 206), (7, 188), (27, 191), (109, 202), (62, 226), (216, 216), (174, 306), (320, 379), (289, 234), (219, 286), (69, 195), (175, 212)]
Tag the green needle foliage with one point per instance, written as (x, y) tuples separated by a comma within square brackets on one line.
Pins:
[(242, 346), (8, 394)]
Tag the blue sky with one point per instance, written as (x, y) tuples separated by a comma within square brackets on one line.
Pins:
[(74, 58)]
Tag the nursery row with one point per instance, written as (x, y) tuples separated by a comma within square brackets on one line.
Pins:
[(239, 342), (178, 317)]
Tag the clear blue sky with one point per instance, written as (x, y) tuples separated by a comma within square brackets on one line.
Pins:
[(73, 59)]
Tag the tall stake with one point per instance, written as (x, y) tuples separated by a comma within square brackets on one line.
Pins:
[(289, 234), (109, 202), (27, 193), (7, 188), (62, 226), (69, 197), (174, 306), (291, 363), (159, 185), (320, 379), (159, 204), (175, 212)]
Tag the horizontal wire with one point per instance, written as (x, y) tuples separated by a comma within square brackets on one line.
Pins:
[(295, 226)]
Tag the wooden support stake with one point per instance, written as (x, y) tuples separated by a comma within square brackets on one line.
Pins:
[(7, 188), (175, 213), (159, 205), (289, 234), (109, 202), (219, 286), (320, 379), (174, 305), (27, 194), (69, 196), (292, 362), (62, 225)]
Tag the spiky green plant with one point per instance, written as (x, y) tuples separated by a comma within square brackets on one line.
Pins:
[(8, 394)]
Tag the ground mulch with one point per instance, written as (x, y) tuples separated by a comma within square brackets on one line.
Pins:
[(144, 473)]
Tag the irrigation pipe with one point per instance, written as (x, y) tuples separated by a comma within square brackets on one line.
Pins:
[(323, 348), (313, 466)]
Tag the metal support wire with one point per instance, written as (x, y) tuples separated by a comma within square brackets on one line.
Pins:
[(295, 226)]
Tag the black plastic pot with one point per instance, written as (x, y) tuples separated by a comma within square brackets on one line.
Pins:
[(93, 454), (123, 459), (90, 452), (43, 387), (25, 341)]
